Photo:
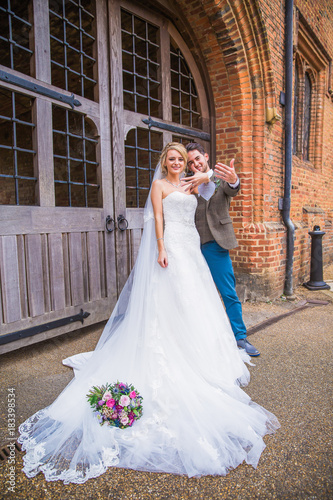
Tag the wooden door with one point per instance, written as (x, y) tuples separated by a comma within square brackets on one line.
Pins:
[(56, 256), (161, 99)]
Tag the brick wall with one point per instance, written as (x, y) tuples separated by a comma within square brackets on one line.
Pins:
[(242, 44)]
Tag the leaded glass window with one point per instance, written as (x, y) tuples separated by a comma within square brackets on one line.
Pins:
[(142, 148), (185, 109), (17, 176), (72, 39), (75, 165), (141, 67), (307, 115)]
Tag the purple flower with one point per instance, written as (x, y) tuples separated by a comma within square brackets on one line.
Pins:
[(101, 402)]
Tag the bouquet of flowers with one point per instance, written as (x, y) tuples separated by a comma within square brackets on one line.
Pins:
[(117, 404)]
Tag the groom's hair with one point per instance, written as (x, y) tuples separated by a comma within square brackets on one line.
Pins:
[(192, 146)]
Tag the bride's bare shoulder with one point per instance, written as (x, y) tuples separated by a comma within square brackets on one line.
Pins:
[(158, 185)]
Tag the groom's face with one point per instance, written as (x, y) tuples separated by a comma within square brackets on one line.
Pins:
[(197, 160)]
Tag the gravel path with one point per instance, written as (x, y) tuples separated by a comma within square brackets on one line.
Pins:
[(293, 378)]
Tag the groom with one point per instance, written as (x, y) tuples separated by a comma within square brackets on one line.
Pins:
[(216, 231)]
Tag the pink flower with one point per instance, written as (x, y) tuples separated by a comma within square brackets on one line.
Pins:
[(124, 401), (107, 395), (124, 420), (132, 394), (110, 403)]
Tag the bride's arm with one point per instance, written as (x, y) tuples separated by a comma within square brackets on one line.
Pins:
[(156, 199)]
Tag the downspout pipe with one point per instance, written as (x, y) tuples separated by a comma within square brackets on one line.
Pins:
[(288, 286)]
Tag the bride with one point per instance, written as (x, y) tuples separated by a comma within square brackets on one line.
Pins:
[(170, 337)]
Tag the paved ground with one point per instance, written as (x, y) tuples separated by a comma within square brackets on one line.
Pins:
[(293, 378)]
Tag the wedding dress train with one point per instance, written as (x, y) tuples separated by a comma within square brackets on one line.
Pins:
[(176, 346)]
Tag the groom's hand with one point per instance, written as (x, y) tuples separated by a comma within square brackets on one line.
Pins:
[(225, 172), (195, 180)]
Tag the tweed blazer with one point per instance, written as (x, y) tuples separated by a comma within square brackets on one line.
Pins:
[(215, 214)]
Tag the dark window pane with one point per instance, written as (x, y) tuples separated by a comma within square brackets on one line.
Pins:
[(295, 127), (73, 60), (60, 169), (6, 103), (75, 123), (126, 21), (130, 157), (141, 86), (91, 174), (307, 116), (153, 52), (6, 162), (129, 101), (77, 196), (128, 82), (58, 76), (75, 148), (92, 196), (57, 52), (21, 61), (59, 144), (90, 150), (72, 13), (89, 90), (27, 191), (6, 133), (140, 27), (77, 172), (128, 63), (25, 164), (23, 136), (59, 118), (61, 195), (131, 198), (74, 83), (140, 48), (153, 34), (141, 66), (56, 27), (7, 191), (127, 42), (142, 105), (23, 107), (88, 45)]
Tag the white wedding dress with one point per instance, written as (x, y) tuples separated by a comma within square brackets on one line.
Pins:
[(177, 348)]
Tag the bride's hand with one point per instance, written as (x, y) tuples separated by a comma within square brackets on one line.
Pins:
[(162, 258)]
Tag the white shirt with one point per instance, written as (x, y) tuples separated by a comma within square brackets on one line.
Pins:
[(207, 190)]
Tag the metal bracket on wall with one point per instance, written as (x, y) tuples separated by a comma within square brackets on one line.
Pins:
[(39, 89), (177, 130), (29, 332)]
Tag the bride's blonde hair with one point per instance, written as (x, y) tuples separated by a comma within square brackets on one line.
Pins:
[(172, 145)]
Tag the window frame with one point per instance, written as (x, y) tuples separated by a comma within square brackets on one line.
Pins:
[(311, 59)]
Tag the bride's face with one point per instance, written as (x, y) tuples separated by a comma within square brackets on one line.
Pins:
[(174, 162)]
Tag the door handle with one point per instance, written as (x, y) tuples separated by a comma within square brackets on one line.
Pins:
[(122, 223), (109, 224)]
